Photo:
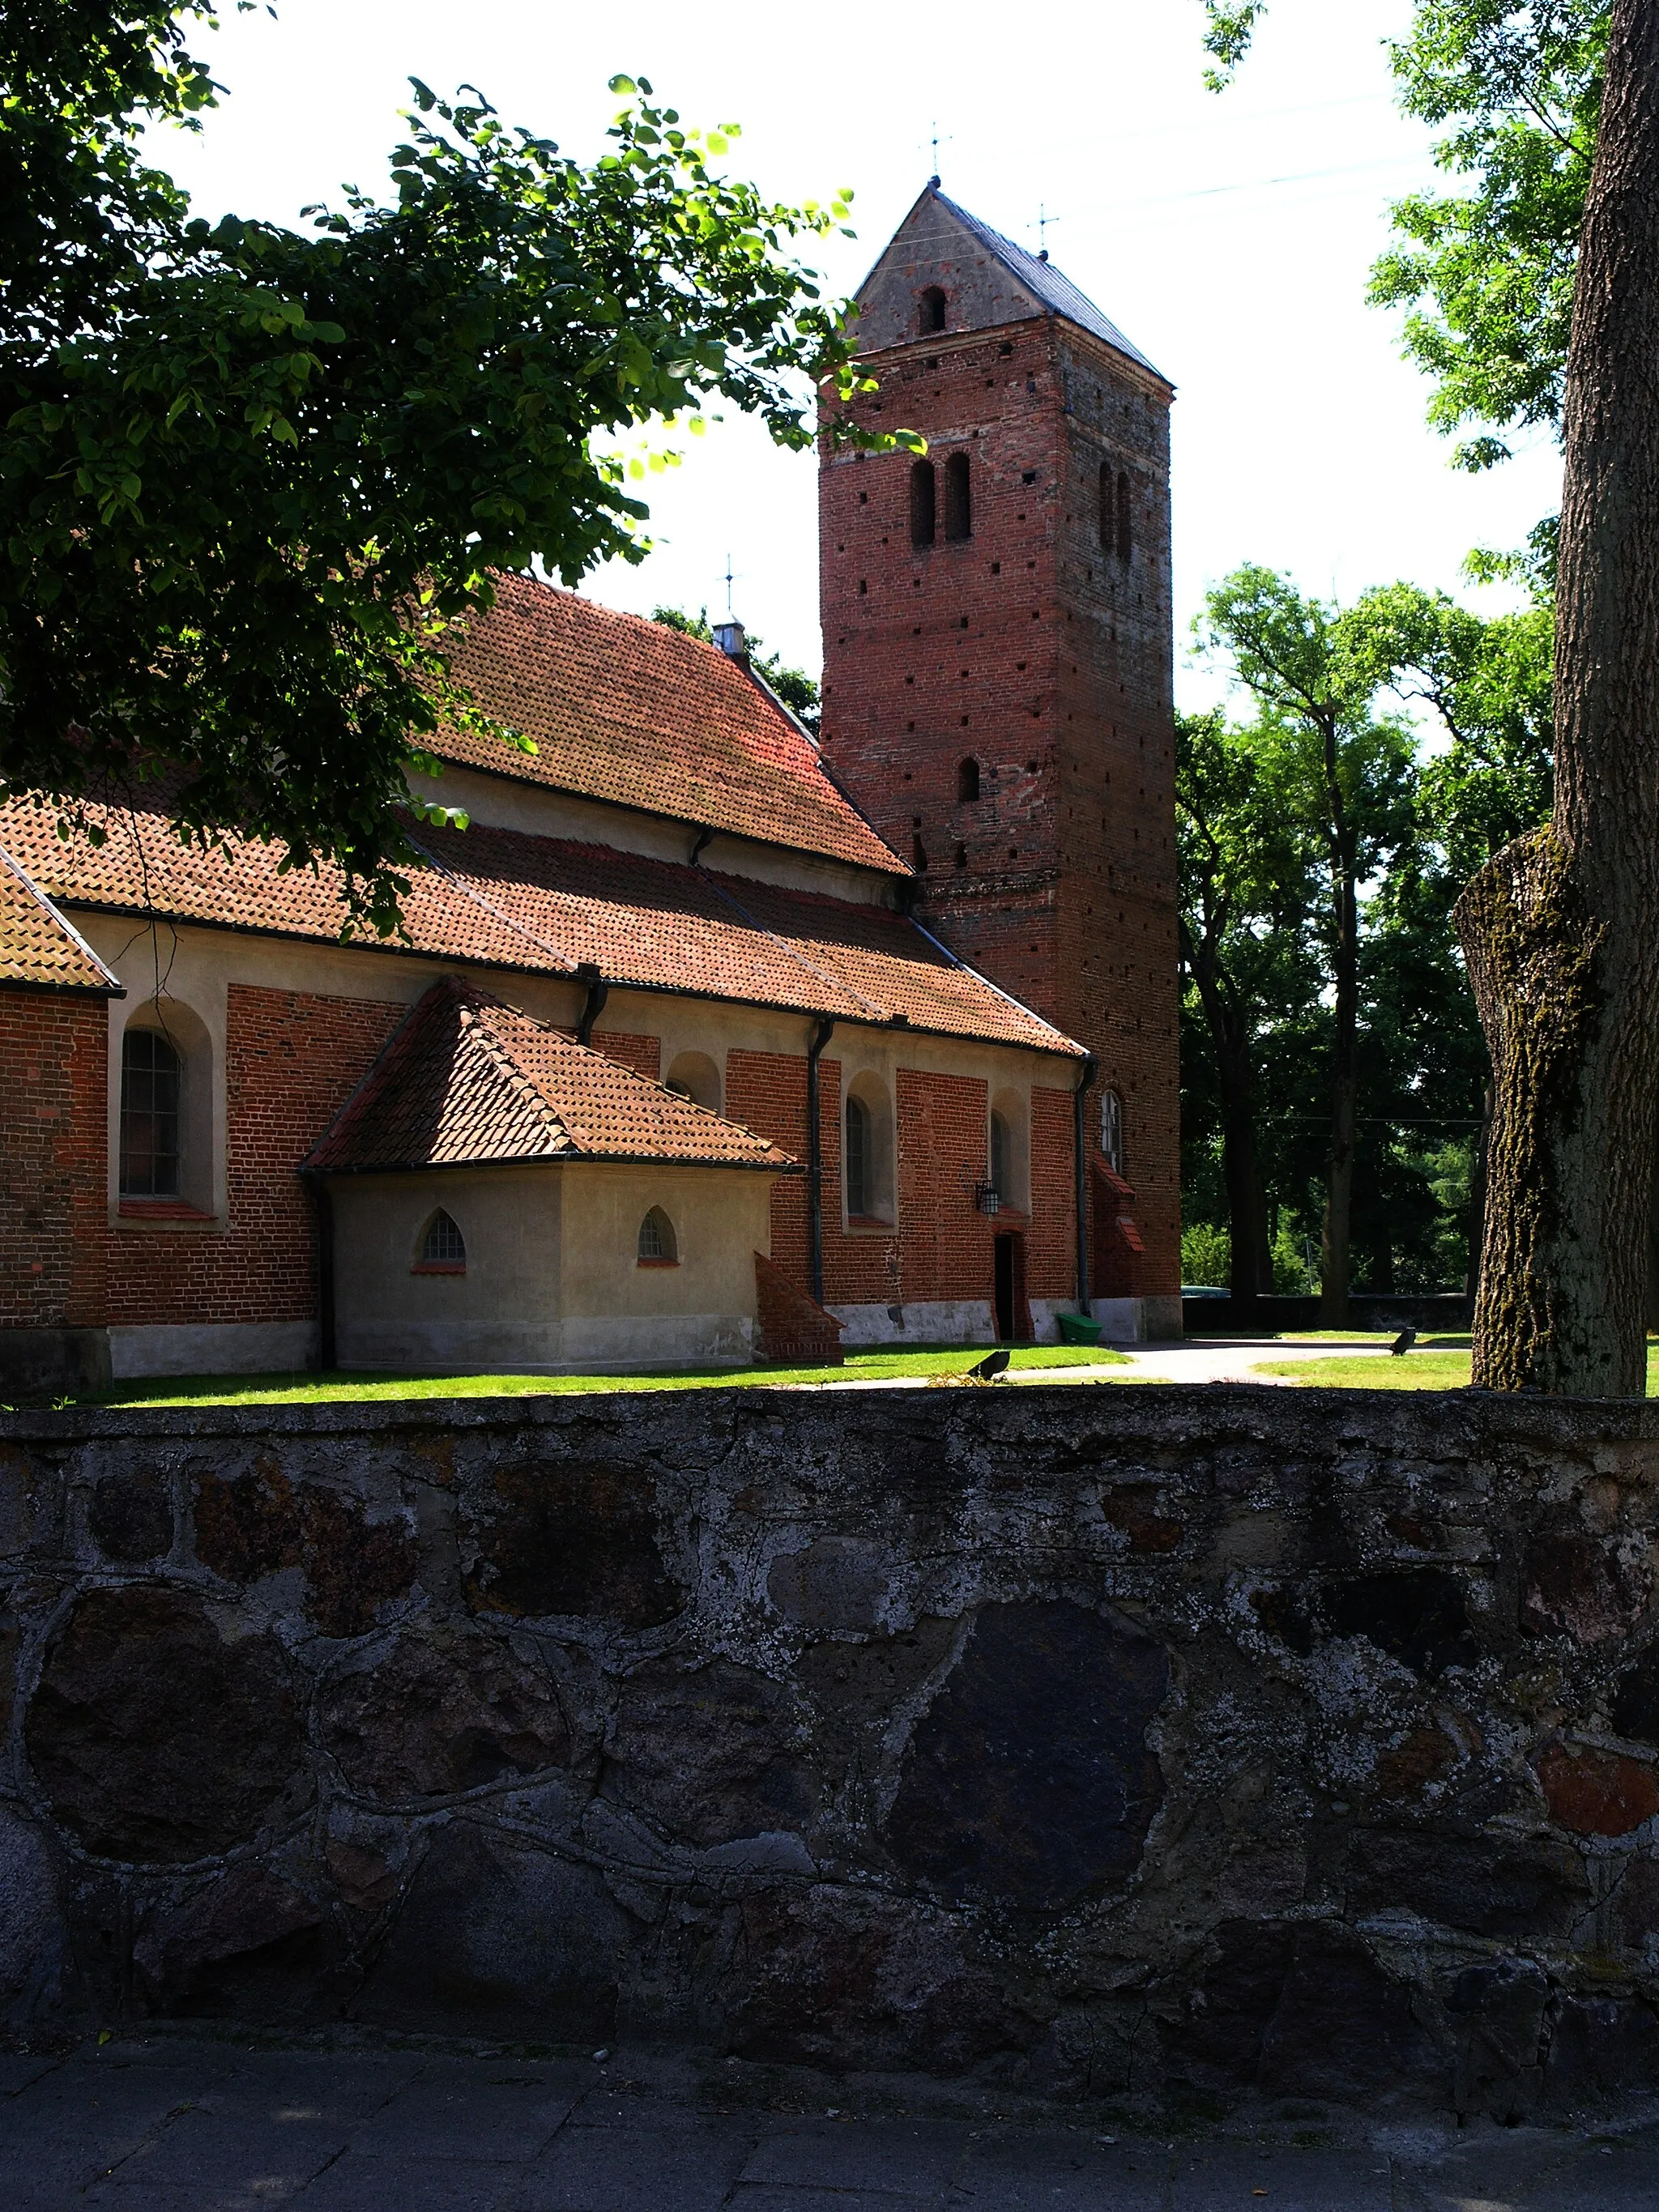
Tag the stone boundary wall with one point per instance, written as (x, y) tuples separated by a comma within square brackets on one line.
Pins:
[(1102, 1741)]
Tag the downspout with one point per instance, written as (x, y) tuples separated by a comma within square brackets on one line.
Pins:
[(821, 1036), (593, 1004), (1079, 1158), (327, 1344)]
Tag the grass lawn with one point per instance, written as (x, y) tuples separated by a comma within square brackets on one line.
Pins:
[(309, 1390), (1442, 1369)]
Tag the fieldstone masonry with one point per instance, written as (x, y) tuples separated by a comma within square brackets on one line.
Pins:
[(1095, 1741)]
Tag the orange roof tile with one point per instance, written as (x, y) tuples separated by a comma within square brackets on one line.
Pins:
[(502, 898), (467, 1080), (631, 711), (38, 948)]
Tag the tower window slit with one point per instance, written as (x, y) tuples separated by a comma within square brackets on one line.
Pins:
[(958, 508), (924, 503)]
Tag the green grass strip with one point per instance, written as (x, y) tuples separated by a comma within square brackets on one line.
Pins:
[(923, 1362)]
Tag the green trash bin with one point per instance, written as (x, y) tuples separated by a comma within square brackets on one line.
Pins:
[(1078, 1329)]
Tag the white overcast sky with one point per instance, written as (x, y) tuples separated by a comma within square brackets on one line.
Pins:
[(1229, 237)]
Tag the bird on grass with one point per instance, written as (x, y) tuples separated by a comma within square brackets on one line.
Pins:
[(993, 1365), (1402, 1344)]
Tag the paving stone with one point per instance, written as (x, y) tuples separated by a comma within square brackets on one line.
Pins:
[(359, 2183), (1220, 2179), (17, 2073), (1060, 2171), (663, 2162), (912, 2157), (453, 2109), (773, 2197)]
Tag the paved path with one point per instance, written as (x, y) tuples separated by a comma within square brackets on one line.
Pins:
[(177, 2124)]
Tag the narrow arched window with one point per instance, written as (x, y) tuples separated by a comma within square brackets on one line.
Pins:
[(1105, 518), (932, 305), (967, 780), (657, 1245), (859, 1194), (924, 503), (1111, 1130), (443, 1248), (918, 852), (958, 508), (1001, 1156), (1125, 545), (150, 1084)]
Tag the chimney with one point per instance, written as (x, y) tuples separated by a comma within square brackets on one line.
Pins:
[(731, 641)]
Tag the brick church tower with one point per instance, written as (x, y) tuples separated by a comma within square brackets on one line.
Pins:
[(998, 664)]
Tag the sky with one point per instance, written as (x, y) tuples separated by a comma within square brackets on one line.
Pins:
[(1229, 237)]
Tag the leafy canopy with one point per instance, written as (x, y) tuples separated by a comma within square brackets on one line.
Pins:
[(252, 477), (1485, 273)]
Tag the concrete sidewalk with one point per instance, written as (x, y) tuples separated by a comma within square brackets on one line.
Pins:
[(171, 2123)]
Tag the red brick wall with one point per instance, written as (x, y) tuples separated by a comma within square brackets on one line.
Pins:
[(1032, 649), (767, 1093), (643, 1053), (941, 1248), (292, 1060), (53, 1159)]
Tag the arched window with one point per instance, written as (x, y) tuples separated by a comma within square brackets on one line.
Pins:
[(657, 1245), (1001, 1156), (150, 1085), (967, 780), (695, 1076), (924, 501), (1108, 535), (1124, 527), (860, 1196), (443, 1248), (1111, 1130), (958, 509), (931, 305), (918, 852)]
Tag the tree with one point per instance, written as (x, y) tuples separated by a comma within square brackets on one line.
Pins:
[(1561, 928), (797, 690), (1246, 898), (1342, 775), (252, 478)]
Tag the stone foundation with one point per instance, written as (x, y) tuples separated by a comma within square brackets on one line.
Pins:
[(1101, 1741)]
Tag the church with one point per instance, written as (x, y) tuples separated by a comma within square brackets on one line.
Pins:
[(711, 1037)]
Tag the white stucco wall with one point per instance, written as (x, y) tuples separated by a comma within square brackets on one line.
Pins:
[(553, 1282)]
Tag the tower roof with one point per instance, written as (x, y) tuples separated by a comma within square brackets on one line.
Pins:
[(990, 280)]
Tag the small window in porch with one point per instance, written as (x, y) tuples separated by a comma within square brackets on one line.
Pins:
[(657, 1245), (443, 1248)]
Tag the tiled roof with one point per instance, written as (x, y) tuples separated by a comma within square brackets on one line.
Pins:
[(1055, 292), (501, 898), (38, 948), (467, 1080), (633, 712)]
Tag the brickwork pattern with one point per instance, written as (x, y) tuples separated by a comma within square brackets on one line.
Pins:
[(788, 1324), (54, 1050), (1033, 650), (292, 1060)]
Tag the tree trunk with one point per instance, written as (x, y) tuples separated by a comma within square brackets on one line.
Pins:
[(1335, 1266), (1561, 929), (1246, 1207)]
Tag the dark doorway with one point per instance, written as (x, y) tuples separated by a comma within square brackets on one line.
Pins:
[(1008, 1286)]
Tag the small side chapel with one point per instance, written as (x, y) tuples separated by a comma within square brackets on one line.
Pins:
[(710, 1037)]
